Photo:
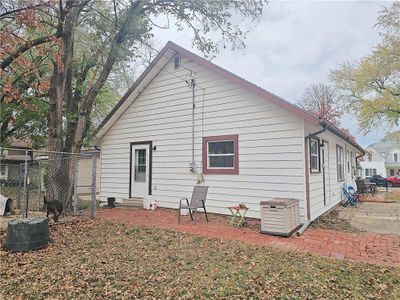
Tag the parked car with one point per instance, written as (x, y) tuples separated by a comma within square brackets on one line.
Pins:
[(379, 180), (393, 181)]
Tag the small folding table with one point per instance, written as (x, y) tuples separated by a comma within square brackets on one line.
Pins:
[(238, 215)]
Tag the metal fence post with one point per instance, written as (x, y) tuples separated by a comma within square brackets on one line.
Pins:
[(94, 187), (25, 214), (75, 195), (39, 184), (19, 186)]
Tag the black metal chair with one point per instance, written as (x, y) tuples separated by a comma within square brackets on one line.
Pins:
[(197, 201), (362, 188)]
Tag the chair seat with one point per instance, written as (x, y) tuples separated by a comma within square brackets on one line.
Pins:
[(190, 207), (197, 201)]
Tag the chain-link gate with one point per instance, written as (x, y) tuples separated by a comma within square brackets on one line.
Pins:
[(28, 176)]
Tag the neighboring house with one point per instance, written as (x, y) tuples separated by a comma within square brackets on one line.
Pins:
[(242, 141), (85, 171), (382, 158), (11, 159)]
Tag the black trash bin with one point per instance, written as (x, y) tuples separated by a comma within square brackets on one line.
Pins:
[(27, 234), (111, 202)]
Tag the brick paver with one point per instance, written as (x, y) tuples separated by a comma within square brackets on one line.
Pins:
[(366, 247)]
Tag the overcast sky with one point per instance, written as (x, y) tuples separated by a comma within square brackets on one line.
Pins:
[(297, 43)]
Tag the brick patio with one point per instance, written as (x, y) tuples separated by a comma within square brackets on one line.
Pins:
[(370, 248)]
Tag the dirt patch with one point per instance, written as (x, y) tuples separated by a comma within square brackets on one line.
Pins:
[(383, 218), (383, 196), (332, 221), (107, 260), (392, 196)]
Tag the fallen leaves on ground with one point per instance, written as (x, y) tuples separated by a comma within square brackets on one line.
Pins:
[(95, 259), (332, 221)]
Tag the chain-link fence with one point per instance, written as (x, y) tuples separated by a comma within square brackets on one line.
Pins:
[(28, 176)]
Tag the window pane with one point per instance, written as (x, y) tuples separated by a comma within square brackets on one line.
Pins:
[(314, 163), (225, 147), (339, 163), (141, 155), (314, 147), (140, 165), (314, 155), (221, 161)]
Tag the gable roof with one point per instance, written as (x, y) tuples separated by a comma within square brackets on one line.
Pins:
[(169, 51)]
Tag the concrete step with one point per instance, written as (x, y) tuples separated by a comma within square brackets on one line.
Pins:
[(131, 203)]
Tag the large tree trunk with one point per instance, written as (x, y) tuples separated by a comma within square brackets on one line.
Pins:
[(59, 173), (62, 172)]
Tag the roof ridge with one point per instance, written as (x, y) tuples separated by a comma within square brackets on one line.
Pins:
[(252, 87)]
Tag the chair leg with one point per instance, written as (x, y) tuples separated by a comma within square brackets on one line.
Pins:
[(179, 215), (205, 212)]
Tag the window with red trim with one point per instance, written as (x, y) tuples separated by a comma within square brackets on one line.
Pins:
[(221, 154)]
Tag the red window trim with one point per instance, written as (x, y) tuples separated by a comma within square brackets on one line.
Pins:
[(235, 139)]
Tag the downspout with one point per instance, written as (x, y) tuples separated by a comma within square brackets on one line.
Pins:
[(307, 176), (193, 84), (359, 156)]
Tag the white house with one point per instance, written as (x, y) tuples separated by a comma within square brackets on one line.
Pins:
[(187, 121), (382, 158)]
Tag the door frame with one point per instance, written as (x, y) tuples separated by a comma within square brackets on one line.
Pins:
[(150, 143)]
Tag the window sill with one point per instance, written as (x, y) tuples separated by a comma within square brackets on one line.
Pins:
[(315, 172), (221, 171)]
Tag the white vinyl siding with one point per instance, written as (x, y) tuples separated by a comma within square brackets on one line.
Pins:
[(271, 147), (333, 186), (85, 167)]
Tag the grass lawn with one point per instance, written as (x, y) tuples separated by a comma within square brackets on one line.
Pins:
[(103, 260)]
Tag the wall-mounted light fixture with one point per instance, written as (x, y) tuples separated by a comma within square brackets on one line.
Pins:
[(154, 148)]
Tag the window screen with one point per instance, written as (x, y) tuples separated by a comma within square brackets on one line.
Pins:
[(314, 155), (221, 154), (339, 162)]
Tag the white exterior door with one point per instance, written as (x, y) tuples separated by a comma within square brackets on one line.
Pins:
[(326, 172), (140, 170)]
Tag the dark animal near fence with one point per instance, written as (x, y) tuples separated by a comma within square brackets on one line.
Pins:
[(54, 207)]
